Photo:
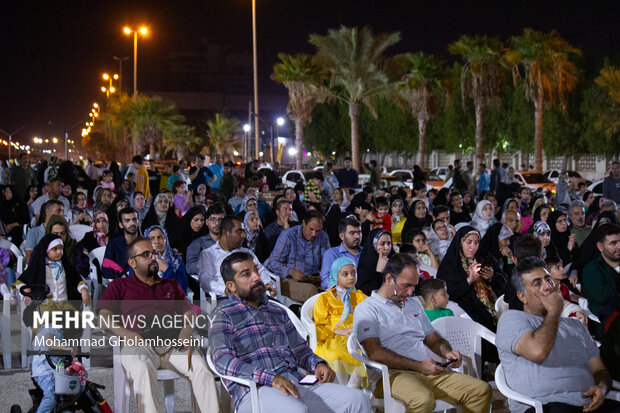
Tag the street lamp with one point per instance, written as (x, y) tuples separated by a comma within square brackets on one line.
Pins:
[(110, 88), (246, 145), (143, 32), (11, 138), (67, 137), (120, 70), (279, 122), (256, 138)]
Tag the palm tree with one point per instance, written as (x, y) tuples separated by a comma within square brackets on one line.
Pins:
[(419, 90), (352, 57), (117, 124), (180, 139), (222, 133), (302, 78), (608, 122), (549, 74), (482, 78), (151, 118)]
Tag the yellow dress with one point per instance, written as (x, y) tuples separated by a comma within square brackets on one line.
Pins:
[(397, 231), (331, 347)]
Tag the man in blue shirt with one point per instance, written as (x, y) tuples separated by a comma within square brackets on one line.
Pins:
[(348, 177), (199, 173), (350, 233), (217, 169), (484, 182), (297, 256)]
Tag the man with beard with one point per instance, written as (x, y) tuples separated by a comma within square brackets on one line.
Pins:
[(577, 217), (392, 327), (350, 233), (231, 238), (602, 275), (126, 297), (253, 338), (115, 259), (213, 219)]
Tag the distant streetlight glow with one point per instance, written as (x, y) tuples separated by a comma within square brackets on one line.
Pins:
[(247, 128), (292, 151), (280, 121), (143, 31)]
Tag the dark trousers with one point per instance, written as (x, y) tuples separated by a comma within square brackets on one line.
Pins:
[(609, 406)]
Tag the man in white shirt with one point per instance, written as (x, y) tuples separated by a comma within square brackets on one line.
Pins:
[(56, 185), (394, 330), (231, 238)]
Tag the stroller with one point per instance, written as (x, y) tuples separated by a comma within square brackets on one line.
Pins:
[(73, 392)]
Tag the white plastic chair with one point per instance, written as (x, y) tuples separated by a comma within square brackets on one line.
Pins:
[(389, 404), (501, 305), (122, 388), (78, 231), (5, 326), (307, 319), (19, 267), (456, 309), (466, 337), (502, 386), (583, 303)]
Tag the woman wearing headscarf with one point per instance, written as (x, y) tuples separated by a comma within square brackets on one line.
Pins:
[(79, 210), (418, 217), (103, 199), (73, 251), (542, 231), (160, 213), (333, 318), (99, 236), (334, 213), (470, 284), (495, 248), (398, 219), (13, 214), (170, 263), (562, 239), (255, 239), (483, 217), (249, 203), (594, 209), (373, 259), (192, 227), (440, 237), (542, 213)]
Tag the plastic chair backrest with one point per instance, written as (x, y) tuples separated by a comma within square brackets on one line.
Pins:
[(457, 310), (465, 336), (301, 329), (78, 231), (502, 386), (307, 319), (500, 305)]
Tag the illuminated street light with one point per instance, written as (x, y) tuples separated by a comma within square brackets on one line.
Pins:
[(280, 121), (143, 31), (54, 140), (292, 151)]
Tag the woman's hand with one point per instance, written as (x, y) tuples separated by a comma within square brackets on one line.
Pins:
[(381, 263), (163, 265), (486, 273), (506, 252), (474, 272), (571, 242)]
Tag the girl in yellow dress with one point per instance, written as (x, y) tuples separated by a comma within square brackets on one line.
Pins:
[(333, 317)]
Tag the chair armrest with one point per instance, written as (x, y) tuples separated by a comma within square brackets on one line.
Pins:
[(502, 386)]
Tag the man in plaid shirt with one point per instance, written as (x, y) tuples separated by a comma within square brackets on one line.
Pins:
[(298, 255), (253, 338)]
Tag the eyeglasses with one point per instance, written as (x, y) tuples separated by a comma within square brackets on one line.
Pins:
[(147, 255), (213, 219)]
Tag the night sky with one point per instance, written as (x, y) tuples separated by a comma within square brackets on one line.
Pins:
[(53, 52)]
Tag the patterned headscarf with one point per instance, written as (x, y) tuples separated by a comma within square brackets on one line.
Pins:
[(250, 236), (504, 233), (171, 257), (102, 239), (244, 203), (540, 227), (346, 293)]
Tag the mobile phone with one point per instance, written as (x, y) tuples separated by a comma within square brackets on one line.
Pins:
[(446, 364), (308, 380)]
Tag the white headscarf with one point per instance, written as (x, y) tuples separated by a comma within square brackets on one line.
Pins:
[(478, 221)]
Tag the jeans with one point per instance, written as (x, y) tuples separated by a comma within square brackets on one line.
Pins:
[(48, 385)]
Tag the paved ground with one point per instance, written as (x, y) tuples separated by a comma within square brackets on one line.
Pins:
[(15, 383)]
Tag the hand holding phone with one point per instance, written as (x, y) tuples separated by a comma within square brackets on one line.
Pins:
[(446, 364), (308, 380)]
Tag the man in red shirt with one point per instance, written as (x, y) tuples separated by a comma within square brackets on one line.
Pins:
[(131, 308)]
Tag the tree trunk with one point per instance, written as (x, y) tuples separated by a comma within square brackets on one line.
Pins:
[(354, 114), (538, 134), (152, 150), (479, 134), (299, 141), (422, 123)]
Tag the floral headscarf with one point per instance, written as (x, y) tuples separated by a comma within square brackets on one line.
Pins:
[(346, 293), (171, 257), (245, 203), (102, 238), (250, 236)]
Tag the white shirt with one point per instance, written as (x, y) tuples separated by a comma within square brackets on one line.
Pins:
[(38, 203), (208, 268), (401, 331), (58, 285)]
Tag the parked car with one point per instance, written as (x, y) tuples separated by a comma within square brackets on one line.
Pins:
[(439, 172), (292, 177), (596, 187), (554, 174), (535, 181)]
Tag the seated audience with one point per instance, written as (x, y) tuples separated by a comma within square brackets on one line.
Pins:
[(34, 235), (169, 262), (115, 259), (13, 214), (563, 241), (253, 338), (424, 253), (457, 213), (398, 220), (73, 251), (577, 217), (350, 232), (55, 191), (192, 227), (389, 327), (79, 211), (373, 259), (283, 210), (103, 199), (440, 237), (255, 239), (382, 217), (214, 216), (333, 317), (99, 236), (550, 358), (140, 205), (483, 217), (160, 213), (128, 297), (418, 217), (297, 257)]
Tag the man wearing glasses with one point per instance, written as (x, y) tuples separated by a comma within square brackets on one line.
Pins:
[(129, 297), (115, 259), (214, 217), (394, 330)]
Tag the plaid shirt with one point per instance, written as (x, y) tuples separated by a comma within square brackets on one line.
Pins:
[(257, 344), (292, 251), (312, 188)]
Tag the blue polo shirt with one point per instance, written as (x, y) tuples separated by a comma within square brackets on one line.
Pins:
[(218, 171), (332, 255)]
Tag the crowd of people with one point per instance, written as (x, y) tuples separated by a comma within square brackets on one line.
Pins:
[(482, 245)]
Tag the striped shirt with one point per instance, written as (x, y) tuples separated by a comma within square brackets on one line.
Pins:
[(292, 251), (257, 344)]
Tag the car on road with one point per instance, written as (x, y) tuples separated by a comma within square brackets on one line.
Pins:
[(554, 174), (439, 172)]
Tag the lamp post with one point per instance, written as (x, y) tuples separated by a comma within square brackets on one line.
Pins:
[(110, 88), (256, 138), (128, 31), (67, 138), (120, 70), (246, 144), (11, 138), (279, 122)]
